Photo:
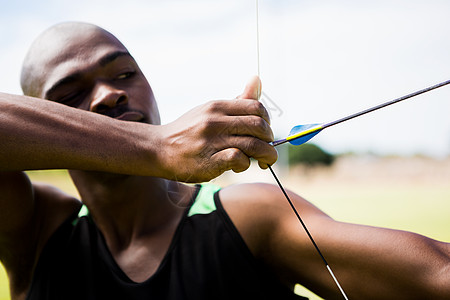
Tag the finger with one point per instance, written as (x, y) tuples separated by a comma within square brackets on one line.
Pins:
[(252, 126), (254, 148), (253, 106), (263, 165), (252, 89), (232, 159), (238, 108)]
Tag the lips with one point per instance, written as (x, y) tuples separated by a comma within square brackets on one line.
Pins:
[(131, 116)]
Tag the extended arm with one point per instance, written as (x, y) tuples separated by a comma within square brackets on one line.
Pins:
[(369, 262)]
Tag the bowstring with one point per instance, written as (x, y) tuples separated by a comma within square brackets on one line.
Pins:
[(257, 48), (279, 182), (309, 234)]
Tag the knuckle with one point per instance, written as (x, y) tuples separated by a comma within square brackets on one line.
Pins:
[(214, 106), (261, 129), (209, 123), (259, 122), (258, 107)]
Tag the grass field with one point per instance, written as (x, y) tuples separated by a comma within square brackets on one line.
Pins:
[(386, 196), (4, 291)]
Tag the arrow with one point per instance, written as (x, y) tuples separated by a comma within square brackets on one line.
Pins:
[(300, 134)]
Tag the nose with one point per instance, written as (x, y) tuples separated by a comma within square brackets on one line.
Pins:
[(106, 96)]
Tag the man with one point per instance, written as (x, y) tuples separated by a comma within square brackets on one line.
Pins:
[(146, 236)]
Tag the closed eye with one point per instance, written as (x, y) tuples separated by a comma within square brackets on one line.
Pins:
[(71, 99), (125, 75)]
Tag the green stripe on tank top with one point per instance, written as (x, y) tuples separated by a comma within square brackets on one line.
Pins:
[(204, 202)]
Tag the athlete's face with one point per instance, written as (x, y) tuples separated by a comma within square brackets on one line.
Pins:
[(92, 70)]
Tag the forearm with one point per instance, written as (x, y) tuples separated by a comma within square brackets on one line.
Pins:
[(39, 134), (391, 264)]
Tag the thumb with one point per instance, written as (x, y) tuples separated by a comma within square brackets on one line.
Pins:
[(252, 89)]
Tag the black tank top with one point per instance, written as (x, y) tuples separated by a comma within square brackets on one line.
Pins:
[(207, 259)]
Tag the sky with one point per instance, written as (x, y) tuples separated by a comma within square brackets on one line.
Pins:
[(319, 60)]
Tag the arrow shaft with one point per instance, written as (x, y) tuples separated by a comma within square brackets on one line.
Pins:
[(386, 104), (358, 114)]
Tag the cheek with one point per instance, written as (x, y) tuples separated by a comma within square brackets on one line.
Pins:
[(154, 113), (144, 100), (86, 104)]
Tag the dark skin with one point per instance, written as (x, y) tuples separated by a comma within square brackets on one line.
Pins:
[(112, 160)]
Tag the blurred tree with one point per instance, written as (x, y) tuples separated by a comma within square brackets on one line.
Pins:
[(309, 155)]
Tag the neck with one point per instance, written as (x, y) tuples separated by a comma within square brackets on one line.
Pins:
[(130, 208)]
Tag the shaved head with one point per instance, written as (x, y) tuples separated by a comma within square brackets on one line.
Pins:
[(86, 67), (60, 44)]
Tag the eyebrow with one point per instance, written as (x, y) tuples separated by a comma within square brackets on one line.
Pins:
[(112, 56), (107, 59)]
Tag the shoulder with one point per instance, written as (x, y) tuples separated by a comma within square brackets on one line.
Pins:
[(256, 210), (250, 206), (53, 207), (272, 232), (24, 202), (51, 197), (249, 194), (263, 203), (22, 245), (266, 221)]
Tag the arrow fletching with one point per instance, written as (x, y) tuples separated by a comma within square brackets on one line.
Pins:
[(300, 134)]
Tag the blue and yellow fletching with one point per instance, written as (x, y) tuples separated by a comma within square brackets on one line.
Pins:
[(300, 134)]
